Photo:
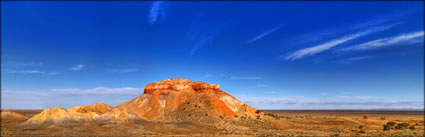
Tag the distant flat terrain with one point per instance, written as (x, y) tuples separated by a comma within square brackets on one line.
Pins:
[(275, 123), (350, 112)]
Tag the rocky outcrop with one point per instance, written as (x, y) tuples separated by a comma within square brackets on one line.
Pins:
[(179, 84), (74, 115), (177, 99), (99, 112), (99, 108), (11, 115), (60, 116), (171, 100)]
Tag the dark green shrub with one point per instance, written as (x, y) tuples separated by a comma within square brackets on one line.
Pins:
[(402, 125), (362, 131), (364, 117), (391, 123), (361, 127), (412, 127), (382, 118), (387, 127), (258, 111)]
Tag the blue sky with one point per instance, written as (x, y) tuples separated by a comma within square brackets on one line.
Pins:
[(271, 55)]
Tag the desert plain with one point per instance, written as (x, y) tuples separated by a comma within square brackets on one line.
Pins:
[(291, 123)]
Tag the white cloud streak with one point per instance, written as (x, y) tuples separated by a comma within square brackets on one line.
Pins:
[(354, 59), (158, 9), (97, 91), (122, 70), (386, 41), (330, 44), (24, 72), (202, 41), (260, 85), (30, 72), (244, 78), (78, 67), (22, 64), (268, 32)]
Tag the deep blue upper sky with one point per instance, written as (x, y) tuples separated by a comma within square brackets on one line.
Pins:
[(271, 55)]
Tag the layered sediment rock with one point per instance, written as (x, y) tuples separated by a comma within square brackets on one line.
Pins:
[(177, 99), (171, 100)]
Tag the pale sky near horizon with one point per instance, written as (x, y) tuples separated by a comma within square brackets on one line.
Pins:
[(270, 55)]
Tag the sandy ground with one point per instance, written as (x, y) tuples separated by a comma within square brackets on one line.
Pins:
[(276, 123)]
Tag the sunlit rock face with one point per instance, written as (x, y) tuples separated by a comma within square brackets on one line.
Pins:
[(99, 108), (177, 99)]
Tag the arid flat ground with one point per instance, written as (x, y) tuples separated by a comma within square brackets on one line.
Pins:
[(275, 123), (348, 122)]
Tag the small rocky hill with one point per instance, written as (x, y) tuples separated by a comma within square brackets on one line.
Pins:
[(11, 115)]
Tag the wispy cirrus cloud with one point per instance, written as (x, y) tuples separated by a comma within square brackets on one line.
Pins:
[(329, 33), (29, 72), (260, 86), (21, 64), (97, 90), (157, 10), (265, 33), (354, 59), (24, 72), (330, 44), (402, 38), (77, 67), (123, 70), (203, 40), (244, 78), (208, 76), (202, 37)]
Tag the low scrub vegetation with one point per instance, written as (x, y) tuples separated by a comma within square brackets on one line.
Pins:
[(392, 125), (273, 115)]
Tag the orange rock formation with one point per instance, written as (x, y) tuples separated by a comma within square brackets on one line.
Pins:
[(171, 100), (163, 100)]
